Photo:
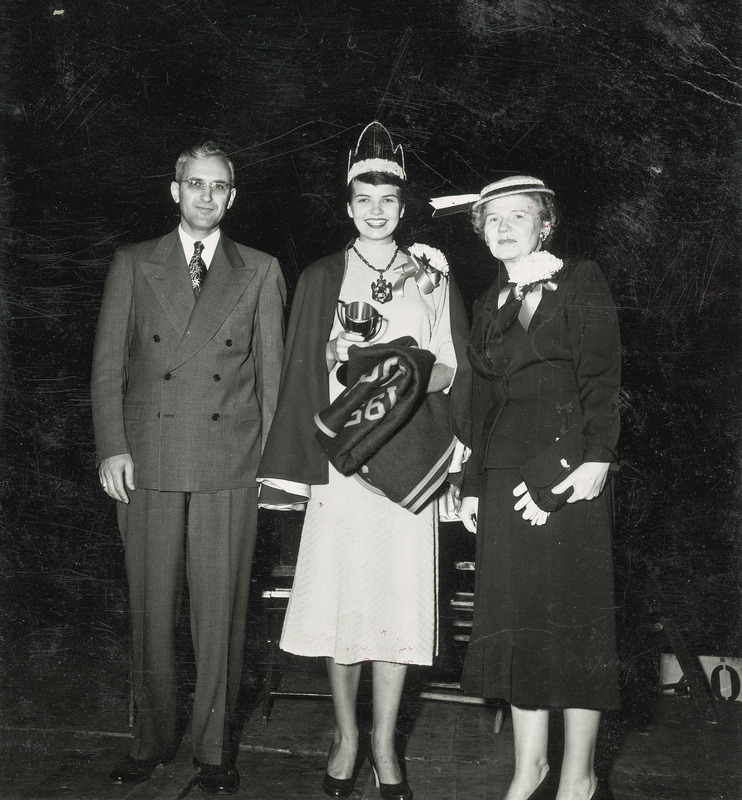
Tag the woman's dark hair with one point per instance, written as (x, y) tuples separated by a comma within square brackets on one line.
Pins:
[(376, 179), (546, 203)]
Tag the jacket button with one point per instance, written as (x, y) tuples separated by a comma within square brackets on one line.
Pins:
[(215, 417), (155, 338), (167, 376), (217, 378), (506, 361), (228, 342)]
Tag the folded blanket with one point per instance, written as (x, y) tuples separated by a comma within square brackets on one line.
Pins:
[(385, 428)]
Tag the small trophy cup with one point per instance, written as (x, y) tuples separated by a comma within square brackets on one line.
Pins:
[(360, 317)]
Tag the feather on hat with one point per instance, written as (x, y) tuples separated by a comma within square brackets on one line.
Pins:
[(516, 184)]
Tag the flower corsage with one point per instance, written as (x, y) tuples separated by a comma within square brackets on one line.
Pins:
[(432, 265), (533, 268)]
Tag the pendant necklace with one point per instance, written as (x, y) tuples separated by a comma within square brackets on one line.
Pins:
[(381, 289)]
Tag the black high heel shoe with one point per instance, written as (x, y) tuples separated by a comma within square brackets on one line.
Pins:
[(389, 791), (342, 787), (543, 790), (338, 787), (602, 792)]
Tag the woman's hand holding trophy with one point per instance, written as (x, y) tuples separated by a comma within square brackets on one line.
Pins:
[(361, 322)]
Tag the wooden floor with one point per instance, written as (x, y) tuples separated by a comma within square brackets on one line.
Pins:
[(65, 722)]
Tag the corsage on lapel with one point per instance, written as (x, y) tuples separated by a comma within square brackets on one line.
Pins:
[(534, 268), (427, 265), (528, 278)]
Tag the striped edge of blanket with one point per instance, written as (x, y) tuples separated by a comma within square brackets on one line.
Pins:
[(426, 487)]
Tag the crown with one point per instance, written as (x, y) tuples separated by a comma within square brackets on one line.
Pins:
[(375, 152)]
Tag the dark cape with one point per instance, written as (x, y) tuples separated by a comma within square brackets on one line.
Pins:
[(292, 451)]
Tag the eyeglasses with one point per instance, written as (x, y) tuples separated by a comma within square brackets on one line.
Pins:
[(217, 188)]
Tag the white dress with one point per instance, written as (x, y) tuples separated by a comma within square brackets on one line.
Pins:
[(365, 587)]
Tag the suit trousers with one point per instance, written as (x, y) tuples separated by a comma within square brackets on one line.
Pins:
[(208, 539)]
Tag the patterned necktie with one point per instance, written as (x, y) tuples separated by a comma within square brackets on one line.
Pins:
[(197, 267)]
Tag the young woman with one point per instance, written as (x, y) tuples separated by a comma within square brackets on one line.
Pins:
[(365, 582)]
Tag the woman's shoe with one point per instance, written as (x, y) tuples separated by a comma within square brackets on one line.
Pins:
[(389, 791), (543, 790), (342, 787), (602, 792), (338, 787)]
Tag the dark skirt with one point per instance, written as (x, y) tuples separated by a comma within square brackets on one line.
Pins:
[(544, 608)]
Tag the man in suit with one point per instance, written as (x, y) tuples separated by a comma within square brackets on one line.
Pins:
[(185, 377)]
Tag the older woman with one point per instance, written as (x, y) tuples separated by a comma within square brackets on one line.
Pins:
[(546, 356), (365, 583)]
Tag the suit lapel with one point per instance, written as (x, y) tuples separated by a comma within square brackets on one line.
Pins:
[(168, 277), (225, 283), (551, 301)]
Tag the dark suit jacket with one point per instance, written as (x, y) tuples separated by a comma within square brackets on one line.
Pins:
[(188, 389), (564, 372)]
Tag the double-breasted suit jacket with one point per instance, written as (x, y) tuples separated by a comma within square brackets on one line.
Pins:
[(531, 387), (188, 388)]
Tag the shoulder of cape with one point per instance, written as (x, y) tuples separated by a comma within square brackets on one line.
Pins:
[(326, 266)]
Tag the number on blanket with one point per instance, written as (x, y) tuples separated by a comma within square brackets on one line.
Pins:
[(376, 408)]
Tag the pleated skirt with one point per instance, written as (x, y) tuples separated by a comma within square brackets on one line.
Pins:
[(365, 587)]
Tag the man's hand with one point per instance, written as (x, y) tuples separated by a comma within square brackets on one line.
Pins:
[(116, 474)]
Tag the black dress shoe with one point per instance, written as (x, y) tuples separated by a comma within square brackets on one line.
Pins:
[(389, 791), (218, 778), (602, 792), (342, 787), (135, 770), (337, 787), (543, 791), (393, 791)]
